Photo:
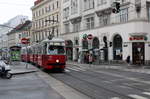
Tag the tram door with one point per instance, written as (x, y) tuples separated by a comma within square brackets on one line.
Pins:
[(138, 52)]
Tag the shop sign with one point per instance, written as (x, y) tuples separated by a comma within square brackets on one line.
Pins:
[(125, 45), (137, 38)]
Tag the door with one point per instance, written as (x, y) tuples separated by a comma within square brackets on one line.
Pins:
[(138, 50)]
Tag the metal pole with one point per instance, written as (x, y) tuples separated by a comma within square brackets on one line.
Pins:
[(26, 57)]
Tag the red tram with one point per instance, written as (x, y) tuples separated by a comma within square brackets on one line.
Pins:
[(49, 54)]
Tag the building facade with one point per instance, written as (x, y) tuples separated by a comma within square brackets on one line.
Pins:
[(19, 32), (89, 26), (46, 19), (7, 27)]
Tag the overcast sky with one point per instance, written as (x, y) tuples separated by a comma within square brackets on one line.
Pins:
[(12, 8)]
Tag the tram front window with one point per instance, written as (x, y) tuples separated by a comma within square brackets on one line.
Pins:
[(56, 50)]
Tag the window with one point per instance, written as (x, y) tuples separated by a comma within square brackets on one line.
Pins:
[(101, 2), (124, 15), (66, 12), (104, 19), (124, 1), (74, 6), (57, 4), (67, 27), (19, 36), (88, 4), (76, 27), (53, 6), (65, 1), (42, 11), (148, 11), (89, 23), (56, 50)]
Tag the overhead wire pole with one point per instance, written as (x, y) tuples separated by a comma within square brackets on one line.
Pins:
[(52, 34)]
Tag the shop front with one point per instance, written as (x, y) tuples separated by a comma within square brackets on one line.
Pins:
[(138, 49)]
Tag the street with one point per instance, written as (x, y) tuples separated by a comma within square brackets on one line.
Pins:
[(77, 82), (106, 83)]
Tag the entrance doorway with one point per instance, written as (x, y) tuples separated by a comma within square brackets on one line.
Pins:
[(138, 50), (69, 50), (117, 47)]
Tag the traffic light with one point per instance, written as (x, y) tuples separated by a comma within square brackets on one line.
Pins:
[(110, 44), (115, 7), (118, 7)]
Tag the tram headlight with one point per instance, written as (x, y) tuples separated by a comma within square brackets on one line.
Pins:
[(57, 61)]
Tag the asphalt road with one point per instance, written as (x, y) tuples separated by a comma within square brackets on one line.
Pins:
[(106, 83)]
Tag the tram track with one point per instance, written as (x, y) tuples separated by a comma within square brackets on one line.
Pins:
[(94, 93), (130, 78)]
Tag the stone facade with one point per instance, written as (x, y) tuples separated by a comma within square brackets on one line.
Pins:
[(114, 36), (46, 19)]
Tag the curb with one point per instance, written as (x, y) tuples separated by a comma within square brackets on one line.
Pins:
[(24, 72)]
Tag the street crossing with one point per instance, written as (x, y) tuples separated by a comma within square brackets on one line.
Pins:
[(135, 96)]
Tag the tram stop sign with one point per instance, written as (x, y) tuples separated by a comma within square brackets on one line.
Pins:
[(25, 41)]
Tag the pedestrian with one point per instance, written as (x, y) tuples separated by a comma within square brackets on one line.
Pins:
[(128, 60), (90, 59)]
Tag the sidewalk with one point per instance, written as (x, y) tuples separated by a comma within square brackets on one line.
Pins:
[(22, 68), (132, 68)]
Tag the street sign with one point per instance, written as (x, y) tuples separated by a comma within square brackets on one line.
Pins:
[(90, 36), (25, 41), (84, 36)]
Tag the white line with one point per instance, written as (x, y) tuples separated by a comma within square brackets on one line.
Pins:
[(146, 93), (79, 69), (137, 96), (72, 69), (76, 68), (66, 70), (115, 98)]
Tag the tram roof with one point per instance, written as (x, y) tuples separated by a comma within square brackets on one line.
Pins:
[(53, 40)]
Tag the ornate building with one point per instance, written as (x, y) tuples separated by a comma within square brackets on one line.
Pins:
[(46, 19), (89, 26)]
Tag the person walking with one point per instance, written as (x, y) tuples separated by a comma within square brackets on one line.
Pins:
[(128, 60), (90, 58)]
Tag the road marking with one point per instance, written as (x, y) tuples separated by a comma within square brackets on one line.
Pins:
[(146, 93), (72, 69), (137, 96), (121, 76), (76, 69), (115, 98), (66, 70)]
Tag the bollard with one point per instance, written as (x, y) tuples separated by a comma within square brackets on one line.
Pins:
[(26, 66)]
